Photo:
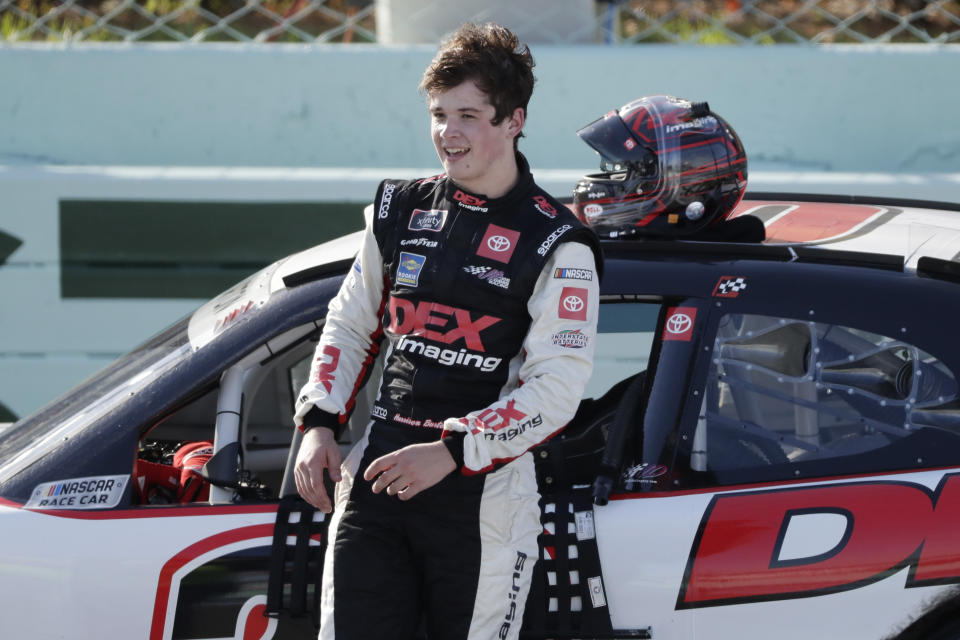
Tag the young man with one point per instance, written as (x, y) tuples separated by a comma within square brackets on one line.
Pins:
[(486, 290)]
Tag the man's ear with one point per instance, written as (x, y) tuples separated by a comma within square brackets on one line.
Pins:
[(516, 121)]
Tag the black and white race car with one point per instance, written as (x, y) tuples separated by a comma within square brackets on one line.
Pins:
[(769, 447)]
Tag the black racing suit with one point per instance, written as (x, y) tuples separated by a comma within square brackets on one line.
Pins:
[(489, 307)]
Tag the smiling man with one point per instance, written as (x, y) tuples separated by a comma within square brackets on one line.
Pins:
[(486, 290)]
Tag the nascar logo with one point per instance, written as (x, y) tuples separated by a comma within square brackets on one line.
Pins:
[(573, 274)]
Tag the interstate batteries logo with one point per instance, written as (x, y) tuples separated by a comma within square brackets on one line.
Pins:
[(97, 492), (570, 339)]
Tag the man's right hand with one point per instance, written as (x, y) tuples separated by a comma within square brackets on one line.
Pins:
[(318, 451)]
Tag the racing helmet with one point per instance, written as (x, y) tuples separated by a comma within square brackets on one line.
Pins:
[(670, 167)]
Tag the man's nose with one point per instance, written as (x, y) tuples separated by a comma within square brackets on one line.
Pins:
[(448, 129)]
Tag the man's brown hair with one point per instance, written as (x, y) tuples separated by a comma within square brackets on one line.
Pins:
[(490, 55)]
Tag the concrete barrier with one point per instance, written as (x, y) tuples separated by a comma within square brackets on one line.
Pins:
[(850, 108), (281, 125)]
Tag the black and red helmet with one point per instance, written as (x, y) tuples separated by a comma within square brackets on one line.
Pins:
[(671, 167)]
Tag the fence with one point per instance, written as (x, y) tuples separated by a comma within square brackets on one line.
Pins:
[(615, 22)]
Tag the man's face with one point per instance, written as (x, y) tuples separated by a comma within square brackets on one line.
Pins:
[(476, 154)]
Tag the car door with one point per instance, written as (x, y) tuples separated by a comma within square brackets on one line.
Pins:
[(806, 478)]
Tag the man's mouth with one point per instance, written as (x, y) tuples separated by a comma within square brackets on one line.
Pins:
[(456, 152)]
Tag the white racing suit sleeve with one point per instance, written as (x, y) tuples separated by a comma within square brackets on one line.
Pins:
[(350, 340), (557, 363)]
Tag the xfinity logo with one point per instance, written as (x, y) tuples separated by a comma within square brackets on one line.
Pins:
[(552, 238), (427, 219), (385, 200)]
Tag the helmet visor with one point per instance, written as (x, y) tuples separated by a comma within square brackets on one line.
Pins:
[(617, 146)]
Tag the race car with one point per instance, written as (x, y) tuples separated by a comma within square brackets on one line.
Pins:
[(769, 446)]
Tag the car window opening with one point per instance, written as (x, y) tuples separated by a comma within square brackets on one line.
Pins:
[(781, 393)]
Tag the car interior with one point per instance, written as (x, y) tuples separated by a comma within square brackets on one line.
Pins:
[(247, 416), (784, 392)]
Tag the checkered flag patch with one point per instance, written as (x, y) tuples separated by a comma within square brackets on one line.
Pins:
[(730, 287), (477, 271)]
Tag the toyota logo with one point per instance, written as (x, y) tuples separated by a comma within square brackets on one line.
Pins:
[(573, 303), (679, 323), (498, 243)]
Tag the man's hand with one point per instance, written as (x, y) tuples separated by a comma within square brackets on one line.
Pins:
[(318, 451), (408, 471)]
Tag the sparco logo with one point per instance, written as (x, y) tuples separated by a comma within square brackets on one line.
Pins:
[(379, 412), (385, 200), (546, 244), (514, 593), (470, 202)]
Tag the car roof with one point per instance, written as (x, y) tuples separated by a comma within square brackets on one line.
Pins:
[(909, 229), (891, 233)]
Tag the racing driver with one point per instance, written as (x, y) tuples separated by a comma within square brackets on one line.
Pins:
[(486, 291)]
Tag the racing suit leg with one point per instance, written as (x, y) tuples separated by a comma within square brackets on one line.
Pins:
[(461, 552), (507, 523)]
